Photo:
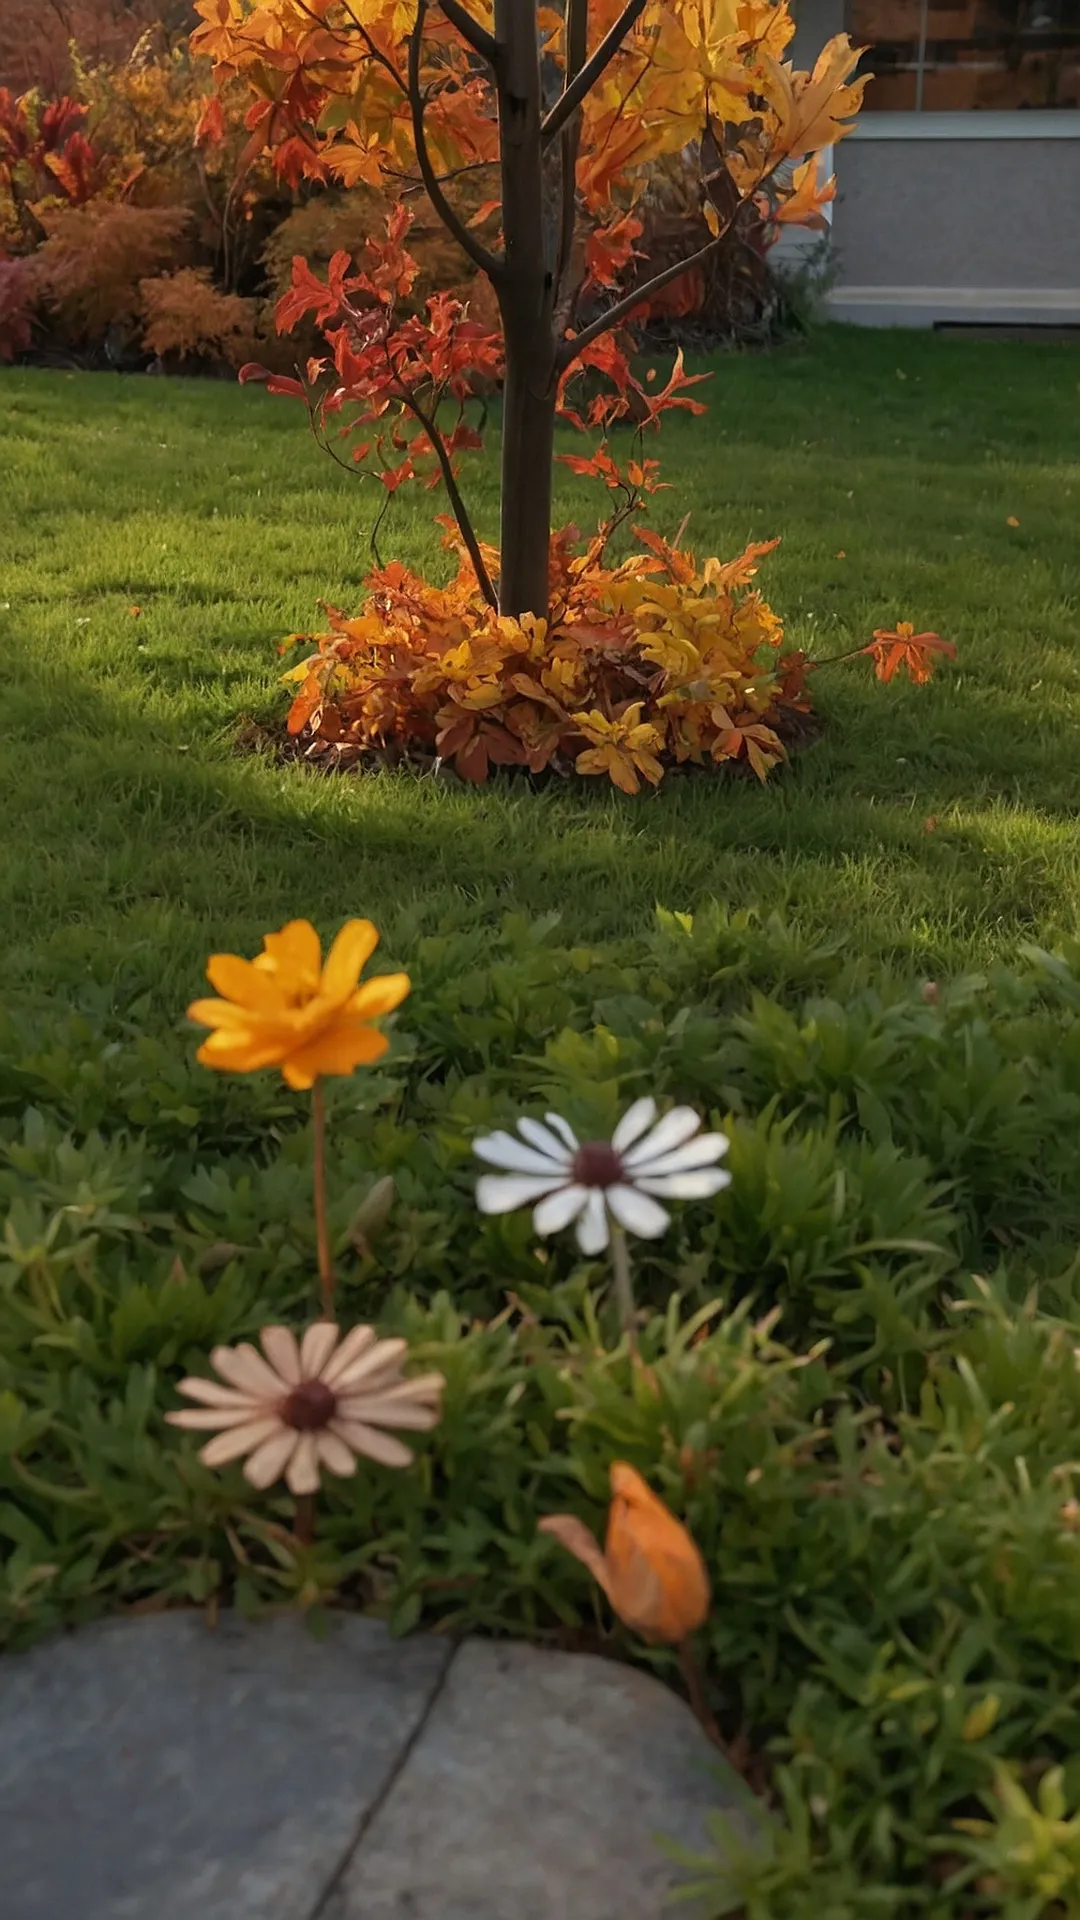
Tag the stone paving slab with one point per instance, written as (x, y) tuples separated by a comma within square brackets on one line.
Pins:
[(151, 1769), (155, 1769), (536, 1792)]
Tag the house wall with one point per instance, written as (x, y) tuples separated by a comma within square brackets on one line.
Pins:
[(952, 216)]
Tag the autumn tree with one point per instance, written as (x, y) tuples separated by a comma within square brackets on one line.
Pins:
[(560, 111)]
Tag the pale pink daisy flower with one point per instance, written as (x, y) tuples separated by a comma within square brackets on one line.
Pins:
[(310, 1406)]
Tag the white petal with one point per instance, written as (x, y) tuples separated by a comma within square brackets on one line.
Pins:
[(316, 1347), (559, 1209), (699, 1183), (502, 1192), (334, 1455), (420, 1388), (696, 1153), (302, 1472), (219, 1419), (382, 1358), (229, 1446), (592, 1228), (244, 1367), (637, 1213), (374, 1444), (414, 1416), (671, 1131), (269, 1461), (564, 1130), (280, 1348), (502, 1150), (215, 1395), (546, 1141), (356, 1342), (633, 1124)]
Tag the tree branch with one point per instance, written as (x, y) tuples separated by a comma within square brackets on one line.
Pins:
[(460, 510), (452, 221), (577, 29), (622, 309), (454, 494), (582, 83), (474, 35)]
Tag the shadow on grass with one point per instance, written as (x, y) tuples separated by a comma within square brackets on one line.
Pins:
[(134, 847)]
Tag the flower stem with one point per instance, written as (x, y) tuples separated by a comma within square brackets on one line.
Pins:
[(624, 1285), (322, 1228), (691, 1673), (304, 1520)]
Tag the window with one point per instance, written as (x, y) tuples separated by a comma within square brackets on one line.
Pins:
[(970, 55)]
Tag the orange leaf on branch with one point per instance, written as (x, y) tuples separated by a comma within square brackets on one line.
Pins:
[(891, 649)]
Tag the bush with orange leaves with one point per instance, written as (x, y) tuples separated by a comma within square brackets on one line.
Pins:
[(643, 665), (186, 317)]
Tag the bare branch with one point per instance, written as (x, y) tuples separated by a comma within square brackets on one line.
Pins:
[(577, 29), (474, 35), (487, 262), (582, 83), (461, 512), (622, 309)]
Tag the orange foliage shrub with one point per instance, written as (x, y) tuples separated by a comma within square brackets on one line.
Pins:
[(656, 661), (185, 315), (94, 257)]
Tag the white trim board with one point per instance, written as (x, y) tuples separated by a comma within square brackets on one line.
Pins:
[(923, 306), (1018, 125)]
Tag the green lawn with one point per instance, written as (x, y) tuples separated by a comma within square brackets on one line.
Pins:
[(137, 836)]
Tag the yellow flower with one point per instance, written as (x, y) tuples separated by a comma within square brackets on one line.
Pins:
[(286, 1009)]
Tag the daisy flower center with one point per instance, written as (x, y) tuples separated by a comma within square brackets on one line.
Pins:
[(309, 1406), (597, 1164)]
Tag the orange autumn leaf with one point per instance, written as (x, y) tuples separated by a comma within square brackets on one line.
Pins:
[(891, 649), (609, 250), (650, 1568), (809, 195)]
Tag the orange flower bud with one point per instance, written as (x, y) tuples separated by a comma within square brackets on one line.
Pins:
[(650, 1569)]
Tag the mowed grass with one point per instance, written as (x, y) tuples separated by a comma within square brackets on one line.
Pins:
[(932, 827)]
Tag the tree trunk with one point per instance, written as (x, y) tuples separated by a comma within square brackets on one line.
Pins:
[(528, 432), (526, 300)]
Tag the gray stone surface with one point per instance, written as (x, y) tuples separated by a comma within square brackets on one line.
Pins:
[(153, 1769), (536, 1792)]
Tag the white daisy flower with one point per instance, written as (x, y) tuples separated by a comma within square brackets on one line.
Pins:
[(596, 1182)]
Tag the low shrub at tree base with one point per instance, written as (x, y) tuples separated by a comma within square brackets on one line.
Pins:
[(639, 666)]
